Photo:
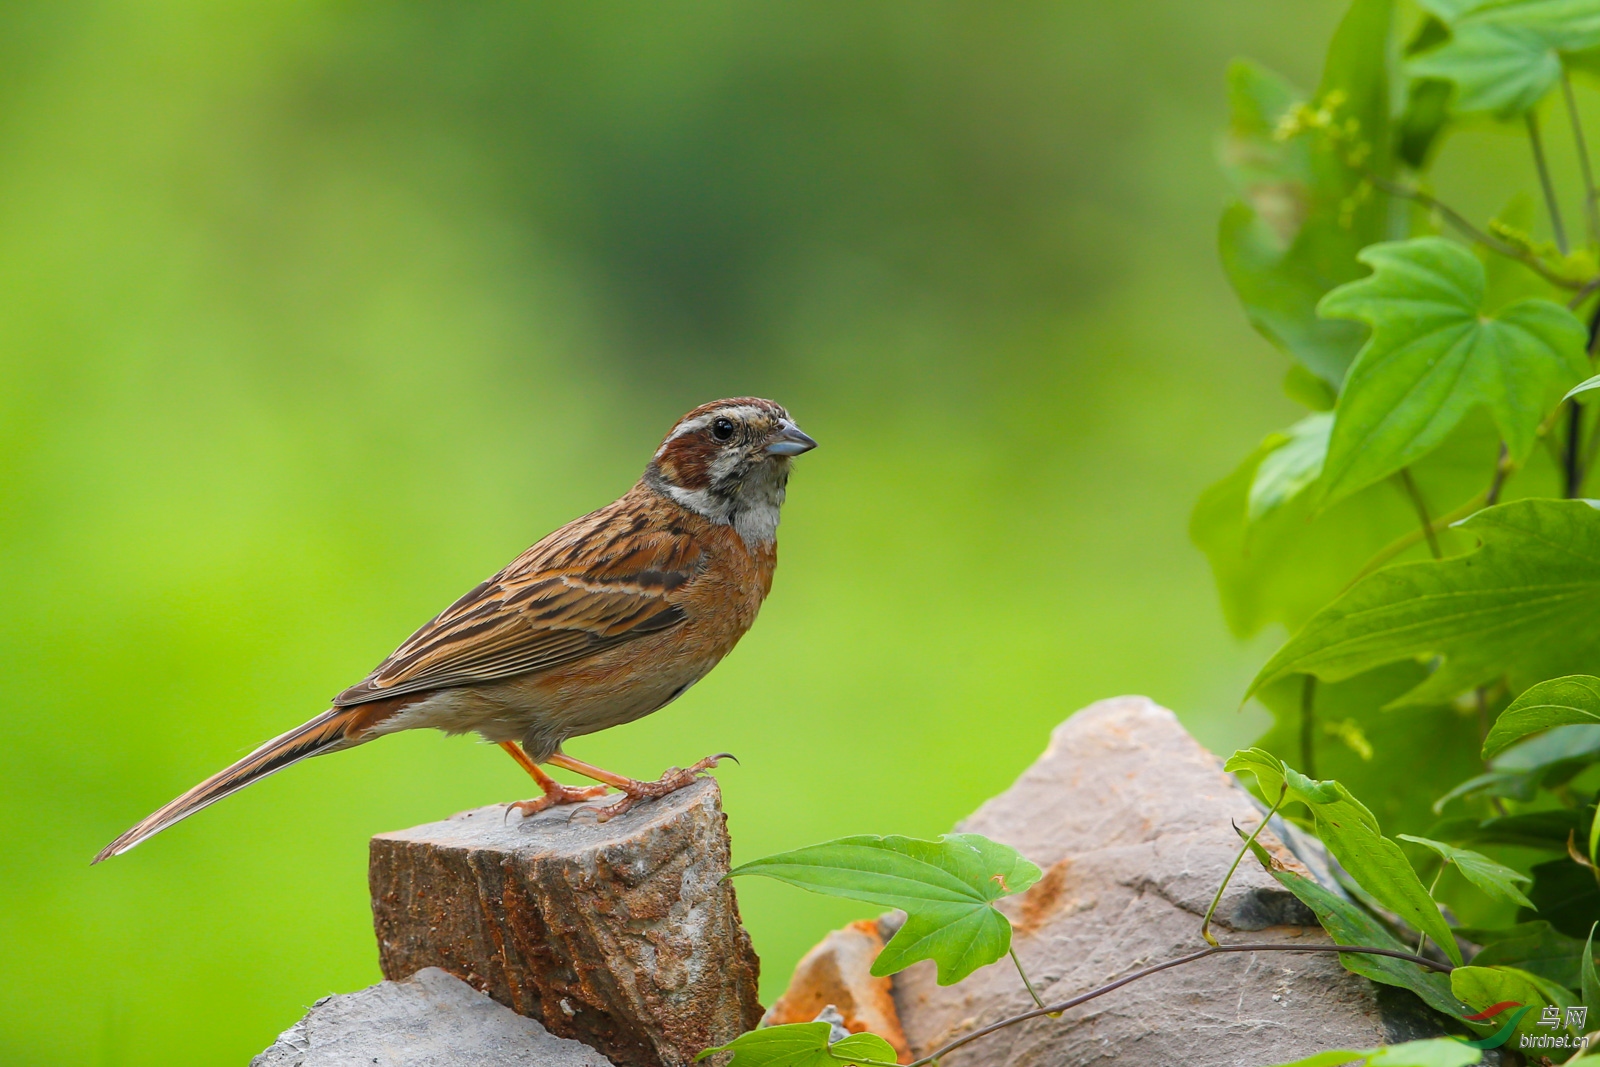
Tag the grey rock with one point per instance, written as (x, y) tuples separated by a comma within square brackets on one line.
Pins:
[(1130, 818), (621, 934), (431, 1019)]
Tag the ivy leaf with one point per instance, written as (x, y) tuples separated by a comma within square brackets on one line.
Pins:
[(803, 1045), (947, 889), (1294, 463), (1504, 55), (1352, 834), (1523, 606), (1347, 924), (1306, 207), (1565, 701), (1495, 879), (1435, 354)]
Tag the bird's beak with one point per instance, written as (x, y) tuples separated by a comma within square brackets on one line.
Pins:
[(790, 440)]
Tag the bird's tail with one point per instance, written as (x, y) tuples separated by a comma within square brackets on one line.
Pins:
[(334, 729)]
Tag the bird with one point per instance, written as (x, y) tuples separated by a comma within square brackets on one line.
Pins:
[(608, 619)]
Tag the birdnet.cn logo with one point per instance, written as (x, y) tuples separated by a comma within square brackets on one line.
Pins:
[(1551, 1018)]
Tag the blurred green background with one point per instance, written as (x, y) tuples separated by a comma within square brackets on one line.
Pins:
[(314, 314)]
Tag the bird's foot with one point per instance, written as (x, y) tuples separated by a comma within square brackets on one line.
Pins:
[(670, 782), (560, 794)]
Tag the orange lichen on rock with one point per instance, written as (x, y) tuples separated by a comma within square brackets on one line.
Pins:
[(839, 972)]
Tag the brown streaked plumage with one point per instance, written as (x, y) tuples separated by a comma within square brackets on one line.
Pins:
[(602, 622)]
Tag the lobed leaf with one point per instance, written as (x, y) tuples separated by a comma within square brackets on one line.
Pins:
[(1504, 55), (1522, 606), (946, 888), (1307, 208), (803, 1045), (1434, 354), (1495, 879), (1567, 701), (1286, 470)]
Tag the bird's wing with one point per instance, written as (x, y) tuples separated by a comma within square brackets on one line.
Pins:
[(596, 583)]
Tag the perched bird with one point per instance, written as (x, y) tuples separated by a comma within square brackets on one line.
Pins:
[(604, 621)]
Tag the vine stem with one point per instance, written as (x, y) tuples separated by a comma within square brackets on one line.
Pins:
[(1545, 183), (1308, 727), (1494, 244), (1405, 541), (1157, 968), (1591, 205), (1205, 923), (1032, 992), (1410, 485)]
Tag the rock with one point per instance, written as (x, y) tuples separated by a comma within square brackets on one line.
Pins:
[(1129, 817), (431, 1019), (838, 974), (622, 935)]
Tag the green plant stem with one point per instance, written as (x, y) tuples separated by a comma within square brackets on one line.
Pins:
[(1502, 470), (1157, 968), (1591, 205), (1205, 923), (1308, 726), (1493, 244), (1422, 939), (1405, 541), (1032, 992), (1409, 484), (1572, 453), (1539, 163)]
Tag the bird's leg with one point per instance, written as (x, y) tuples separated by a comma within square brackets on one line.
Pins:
[(554, 792), (632, 789)]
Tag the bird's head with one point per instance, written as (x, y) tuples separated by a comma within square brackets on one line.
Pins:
[(729, 461)]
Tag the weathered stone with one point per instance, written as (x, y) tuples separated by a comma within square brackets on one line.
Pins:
[(838, 972), (1129, 817), (431, 1019), (622, 934)]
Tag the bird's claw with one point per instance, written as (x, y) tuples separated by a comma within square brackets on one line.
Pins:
[(673, 780), (565, 794)]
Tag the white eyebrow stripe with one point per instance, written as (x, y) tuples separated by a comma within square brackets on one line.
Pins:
[(747, 412)]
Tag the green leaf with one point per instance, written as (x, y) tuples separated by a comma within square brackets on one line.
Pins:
[(1546, 830), (1307, 208), (1347, 924), (1504, 55), (1495, 879), (1434, 354), (1352, 834), (1559, 702), (1523, 606), (1398, 787), (946, 888), (1565, 894), (1434, 1052), (1589, 981), (1293, 464), (1535, 947), (1587, 385), (1481, 987), (1427, 103), (803, 1045)]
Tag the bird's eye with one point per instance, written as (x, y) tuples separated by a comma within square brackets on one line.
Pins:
[(722, 429)]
